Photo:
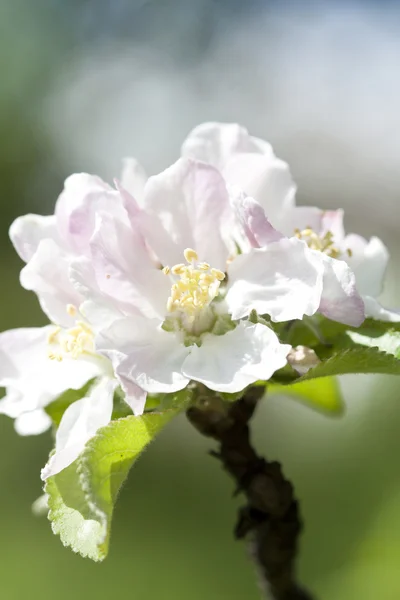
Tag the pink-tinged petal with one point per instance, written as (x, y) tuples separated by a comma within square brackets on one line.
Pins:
[(32, 423), (79, 423), (340, 299), (47, 275), (134, 178), (283, 280), (265, 178), (255, 226), (230, 362), (190, 201), (31, 378), (375, 310), (214, 143), (124, 270), (83, 197), (28, 231), (368, 260), (145, 354)]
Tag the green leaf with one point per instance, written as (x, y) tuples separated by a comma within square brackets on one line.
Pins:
[(355, 360), (57, 408), (327, 337), (82, 497), (321, 394)]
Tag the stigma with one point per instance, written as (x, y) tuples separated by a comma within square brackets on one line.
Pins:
[(195, 285)]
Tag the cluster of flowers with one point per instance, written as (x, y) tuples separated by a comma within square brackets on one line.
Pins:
[(149, 285)]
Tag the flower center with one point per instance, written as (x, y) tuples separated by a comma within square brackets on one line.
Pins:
[(73, 342), (321, 243), (195, 287)]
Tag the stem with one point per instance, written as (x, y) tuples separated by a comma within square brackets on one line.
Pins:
[(270, 520)]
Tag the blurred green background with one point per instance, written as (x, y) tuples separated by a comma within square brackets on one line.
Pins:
[(85, 83)]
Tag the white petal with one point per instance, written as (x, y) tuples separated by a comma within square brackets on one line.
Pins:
[(47, 275), (28, 231), (32, 423), (376, 311), (79, 423), (191, 202), (83, 197), (134, 178), (124, 270), (214, 143), (145, 354), (340, 299), (266, 179), (230, 362), (368, 261), (283, 280)]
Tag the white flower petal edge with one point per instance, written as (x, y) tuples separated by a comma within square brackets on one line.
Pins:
[(83, 197), (282, 279), (369, 261), (375, 310), (134, 178), (28, 231), (340, 299), (32, 423), (214, 143), (79, 423), (230, 362)]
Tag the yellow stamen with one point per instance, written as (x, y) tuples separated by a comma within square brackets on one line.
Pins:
[(71, 310), (314, 241), (190, 255), (197, 286), (72, 342)]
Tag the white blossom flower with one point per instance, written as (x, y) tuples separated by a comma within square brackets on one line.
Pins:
[(323, 231), (250, 166), (190, 323), (39, 364), (339, 299)]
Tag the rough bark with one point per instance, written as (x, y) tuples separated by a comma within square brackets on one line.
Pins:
[(270, 520)]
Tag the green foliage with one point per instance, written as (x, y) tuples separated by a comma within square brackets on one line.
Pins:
[(355, 360), (322, 394), (81, 498), (372, 348)]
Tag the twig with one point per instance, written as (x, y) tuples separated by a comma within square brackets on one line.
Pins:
[(270, 521)]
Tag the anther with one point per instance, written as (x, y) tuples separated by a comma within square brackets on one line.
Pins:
[(71, 310), (190, 255)]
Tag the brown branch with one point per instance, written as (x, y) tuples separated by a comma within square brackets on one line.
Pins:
[(270, 521)]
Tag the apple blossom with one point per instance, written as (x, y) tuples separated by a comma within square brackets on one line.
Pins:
[(185, 321)]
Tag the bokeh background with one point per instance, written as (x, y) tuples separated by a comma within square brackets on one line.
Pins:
[(84, 83)]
